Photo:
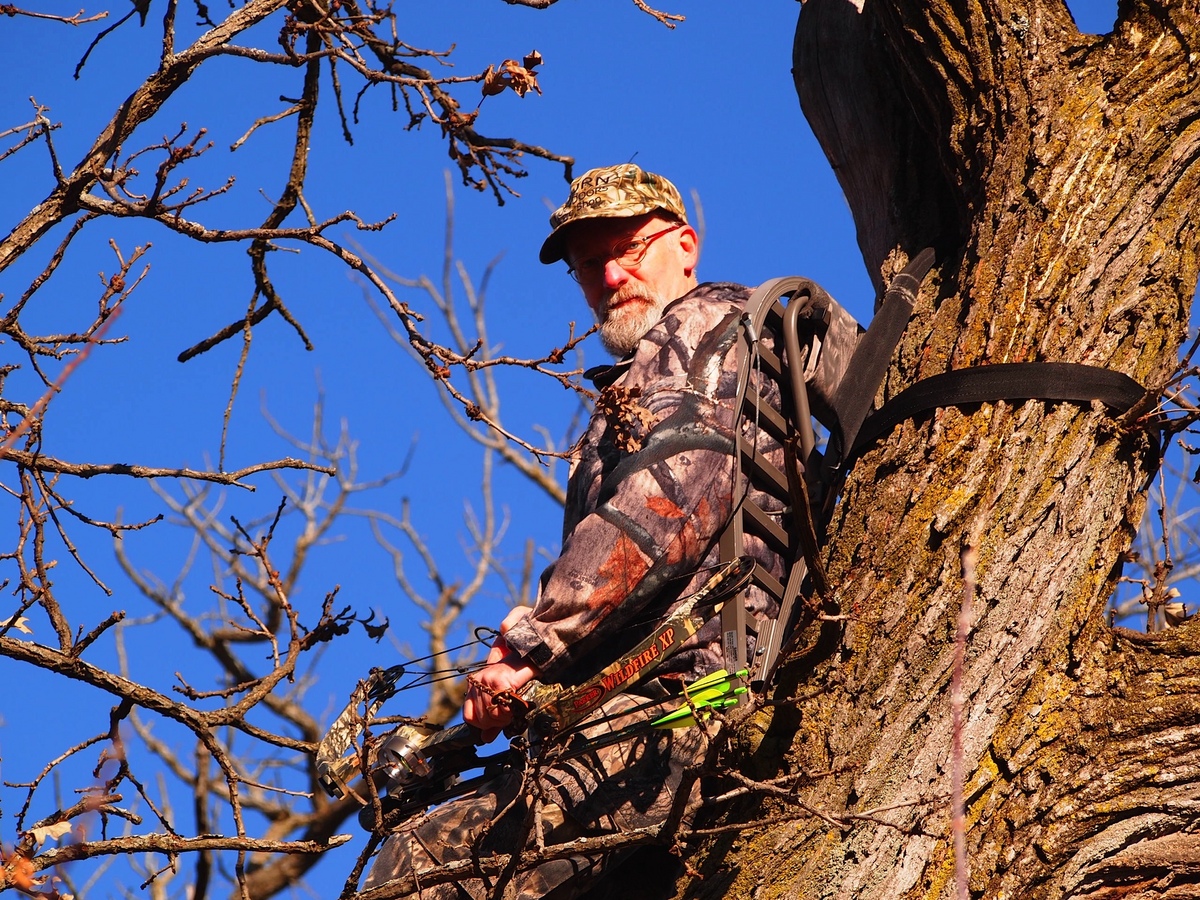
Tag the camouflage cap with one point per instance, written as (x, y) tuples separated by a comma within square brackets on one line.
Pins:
[(611, 192)]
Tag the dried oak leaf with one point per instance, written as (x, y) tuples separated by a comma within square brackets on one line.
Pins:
[(1176, 614), (462, 120), (374, 632), (18, 622), (511, 74), (625, 416), (493, 83), (44, 833)]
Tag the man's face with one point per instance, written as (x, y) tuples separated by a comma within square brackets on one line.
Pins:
[(628, 302)]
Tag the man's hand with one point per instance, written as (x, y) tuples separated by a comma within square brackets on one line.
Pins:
[(505, 672)]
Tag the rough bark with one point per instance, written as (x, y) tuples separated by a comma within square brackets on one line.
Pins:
[(1056, 174)]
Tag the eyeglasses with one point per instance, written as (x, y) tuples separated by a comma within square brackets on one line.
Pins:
[(628, 254)]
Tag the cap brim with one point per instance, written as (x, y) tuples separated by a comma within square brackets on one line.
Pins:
[(554, 247)]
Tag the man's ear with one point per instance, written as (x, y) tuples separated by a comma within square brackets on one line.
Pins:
[(689, 243)]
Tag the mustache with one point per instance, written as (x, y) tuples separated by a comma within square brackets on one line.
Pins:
[(630, 291)]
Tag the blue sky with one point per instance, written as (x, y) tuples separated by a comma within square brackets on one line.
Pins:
[(710, 104)]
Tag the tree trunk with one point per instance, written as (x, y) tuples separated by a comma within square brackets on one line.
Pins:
[(1056, 175)]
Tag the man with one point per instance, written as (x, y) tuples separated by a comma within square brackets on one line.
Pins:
[(649, 493)]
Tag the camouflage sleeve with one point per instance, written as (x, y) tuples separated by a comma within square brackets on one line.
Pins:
[(652, 489)]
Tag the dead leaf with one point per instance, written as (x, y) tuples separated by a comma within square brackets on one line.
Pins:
[(513, 75), (492, 83), (17, 622), (50, 832), (626, 417), (1175, 613), (462, 120), (374, 632)]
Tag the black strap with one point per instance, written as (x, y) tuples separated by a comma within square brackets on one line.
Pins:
[(873, 354), (1004, 381)]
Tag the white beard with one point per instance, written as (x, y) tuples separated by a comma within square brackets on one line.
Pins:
[(624, 327)]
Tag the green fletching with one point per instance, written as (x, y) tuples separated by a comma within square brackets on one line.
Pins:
[(720, 690)]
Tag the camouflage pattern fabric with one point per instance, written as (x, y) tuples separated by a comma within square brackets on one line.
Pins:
[(648, 496), (649, 493), (618, 788)]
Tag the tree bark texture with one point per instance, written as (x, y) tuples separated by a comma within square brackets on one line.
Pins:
[(1055, 173)]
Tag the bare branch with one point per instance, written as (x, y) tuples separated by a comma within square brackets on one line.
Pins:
[(79, 18), (173, 844), (40, 463)]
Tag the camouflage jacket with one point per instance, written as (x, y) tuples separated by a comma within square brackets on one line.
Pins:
[(649, 494)]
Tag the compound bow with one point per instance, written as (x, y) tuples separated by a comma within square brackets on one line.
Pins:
[(417, 765)]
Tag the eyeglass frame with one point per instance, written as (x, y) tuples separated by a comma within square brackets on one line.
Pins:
[(628, 265)]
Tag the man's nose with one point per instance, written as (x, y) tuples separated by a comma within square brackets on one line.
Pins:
[(615, 274)]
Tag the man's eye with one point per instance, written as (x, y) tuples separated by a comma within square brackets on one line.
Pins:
[(628, 249), (588, 266)]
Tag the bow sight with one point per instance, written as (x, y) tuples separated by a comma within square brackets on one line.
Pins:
[(417, 765)]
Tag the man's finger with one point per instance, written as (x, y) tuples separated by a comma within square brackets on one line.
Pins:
[(515, 615)]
